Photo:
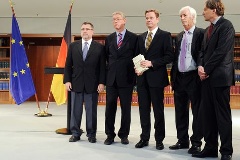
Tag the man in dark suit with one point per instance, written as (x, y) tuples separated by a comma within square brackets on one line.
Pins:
[(120, 48), (217, 74), (84, 76), (186, 82), (156, 46)]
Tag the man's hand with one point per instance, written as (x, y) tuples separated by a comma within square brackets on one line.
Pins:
[(68, 86), (137, 72), (100, 88), (202, 74), (146, 64)]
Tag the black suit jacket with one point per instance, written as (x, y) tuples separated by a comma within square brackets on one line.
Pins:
[(119, 61), (217, 54), (85, 75), (160, 53), (197, 39)]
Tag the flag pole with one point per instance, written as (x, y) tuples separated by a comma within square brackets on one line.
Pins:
[(49, 94), (39, 109)]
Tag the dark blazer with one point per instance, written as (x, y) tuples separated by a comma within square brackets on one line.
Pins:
[(160, 53), (217, 54), (197, 39), (85, 75), (119, 61)]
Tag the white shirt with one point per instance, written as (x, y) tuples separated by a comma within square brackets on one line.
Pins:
[(153, 34), (88, 45), (190, 64)]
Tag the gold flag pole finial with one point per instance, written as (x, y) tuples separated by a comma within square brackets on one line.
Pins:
[(11, 5)]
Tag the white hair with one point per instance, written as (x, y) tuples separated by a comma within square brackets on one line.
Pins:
[(192, 12)]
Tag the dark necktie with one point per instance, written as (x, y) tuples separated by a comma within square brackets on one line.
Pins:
[(149, 40), (183, 53), (119, 40), (210, 30), (85, 50)]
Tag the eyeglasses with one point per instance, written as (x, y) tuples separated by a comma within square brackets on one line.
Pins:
[(117, 19), (87, 29)]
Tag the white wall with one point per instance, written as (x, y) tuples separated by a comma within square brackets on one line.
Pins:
[(103, 25)]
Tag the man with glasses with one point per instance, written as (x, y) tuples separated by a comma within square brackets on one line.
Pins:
[(120, 48), (84, 76)]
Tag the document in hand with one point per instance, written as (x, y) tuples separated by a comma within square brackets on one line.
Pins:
[(137, 60)]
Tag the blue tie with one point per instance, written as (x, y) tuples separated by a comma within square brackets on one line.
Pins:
[(85, 50)]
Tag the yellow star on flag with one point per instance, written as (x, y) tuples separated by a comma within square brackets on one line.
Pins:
[(22, 71), (21, 43), (27, 65), (13, 41), (14, 74)]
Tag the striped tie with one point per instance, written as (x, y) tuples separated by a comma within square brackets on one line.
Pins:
[(119, 40), (149, 40)]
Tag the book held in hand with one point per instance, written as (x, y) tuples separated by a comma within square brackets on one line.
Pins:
[(137, 60)]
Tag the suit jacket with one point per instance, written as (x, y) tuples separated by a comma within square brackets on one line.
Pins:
[(119, 61), (160, 53), (217, 54), (196, 44), (85, 75)]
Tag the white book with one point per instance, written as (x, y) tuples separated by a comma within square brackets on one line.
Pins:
[(137, 60)]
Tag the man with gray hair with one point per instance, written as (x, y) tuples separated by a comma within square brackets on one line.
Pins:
[(186, 82), (120, 48)]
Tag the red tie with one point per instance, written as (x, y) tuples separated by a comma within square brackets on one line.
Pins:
[(210, 31), (119, 40)]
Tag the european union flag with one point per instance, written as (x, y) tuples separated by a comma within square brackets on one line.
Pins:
[(21, 83)]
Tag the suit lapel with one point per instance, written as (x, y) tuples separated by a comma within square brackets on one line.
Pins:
[(142, 42), (194, 39), (80, 48), (155, 38), (114, 40), (125, 39), (179, 42), (213, 32)]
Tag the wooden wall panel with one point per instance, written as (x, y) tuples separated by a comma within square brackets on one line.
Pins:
[(42, 52)]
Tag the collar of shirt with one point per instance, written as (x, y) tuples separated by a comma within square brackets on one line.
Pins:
[(89, 42), (215, 21), (153, 31), (190, 30), (123, 34)]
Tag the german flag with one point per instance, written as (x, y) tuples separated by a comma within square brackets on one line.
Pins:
[(57, 88)]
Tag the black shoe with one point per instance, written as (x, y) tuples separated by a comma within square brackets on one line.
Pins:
[(141, 144), (109, 141), (92, 139), (124, 140), (74, 138), (226, 157), (179, 145), (159, 146), (194, 149), (205, 153)]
